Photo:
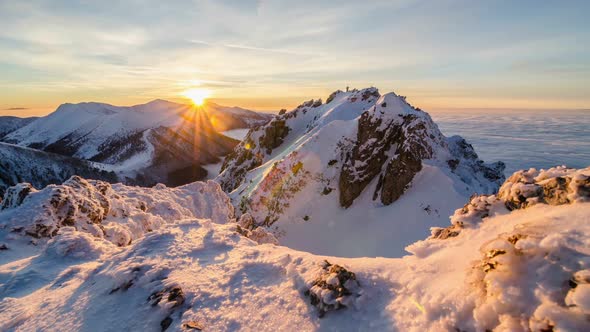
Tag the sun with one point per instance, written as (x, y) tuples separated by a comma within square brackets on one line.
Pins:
[(197, 96)]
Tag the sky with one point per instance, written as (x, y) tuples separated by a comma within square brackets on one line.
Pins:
[(269, 55)]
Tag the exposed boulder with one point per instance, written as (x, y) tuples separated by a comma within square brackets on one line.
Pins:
[(335, 288), (274, 133), (555, 186), (248, 227)]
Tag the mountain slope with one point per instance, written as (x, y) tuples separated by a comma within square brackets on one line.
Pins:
[(18, 164), (9, 124), (348, 176), (155, 142), (90, 256), (226, 118)]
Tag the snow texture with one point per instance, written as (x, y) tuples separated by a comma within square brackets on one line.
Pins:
[(511, 270)]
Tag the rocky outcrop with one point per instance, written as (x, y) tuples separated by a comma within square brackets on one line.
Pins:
[(15, 195), (249, 228), (334, 289), (465, 163), (117, 213), (525, 188), (251, 153), (545, 263), (356, 142), (274, 133), (556, 186), (393, 138), (389, 147)]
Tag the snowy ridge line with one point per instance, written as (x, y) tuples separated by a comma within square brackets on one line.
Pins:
[(156, 142)]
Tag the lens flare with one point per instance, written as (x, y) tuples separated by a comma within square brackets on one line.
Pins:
[(197, 96)]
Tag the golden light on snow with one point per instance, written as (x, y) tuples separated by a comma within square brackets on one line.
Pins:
[(197, 96)]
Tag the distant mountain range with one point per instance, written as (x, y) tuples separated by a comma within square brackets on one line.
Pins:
[(9, 124), (160, 141)]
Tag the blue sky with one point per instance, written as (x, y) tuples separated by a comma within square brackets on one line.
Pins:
[(273, 54)]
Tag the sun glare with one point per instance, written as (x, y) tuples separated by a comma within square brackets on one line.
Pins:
[(197, 96)]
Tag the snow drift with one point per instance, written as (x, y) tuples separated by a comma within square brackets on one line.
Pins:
[(515, 267)]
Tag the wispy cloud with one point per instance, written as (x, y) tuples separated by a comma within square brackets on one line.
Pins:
[(121, 52), (254, 48)]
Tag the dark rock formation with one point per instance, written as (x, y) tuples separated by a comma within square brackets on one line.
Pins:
[(274, 133), (390, 146)]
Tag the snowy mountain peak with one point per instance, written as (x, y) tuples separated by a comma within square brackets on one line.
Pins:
[(360, 150)]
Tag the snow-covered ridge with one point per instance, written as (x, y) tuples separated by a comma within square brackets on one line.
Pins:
[(375, 155), (117, 212), (9, 124), (522, 269), (145, 144), (83, 130)]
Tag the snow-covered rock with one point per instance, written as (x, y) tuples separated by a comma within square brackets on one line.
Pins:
[(383, 160), (525, 269), (117, 213), (555, 186)]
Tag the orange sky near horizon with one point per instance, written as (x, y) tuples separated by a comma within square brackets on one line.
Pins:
[(267, 104)]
